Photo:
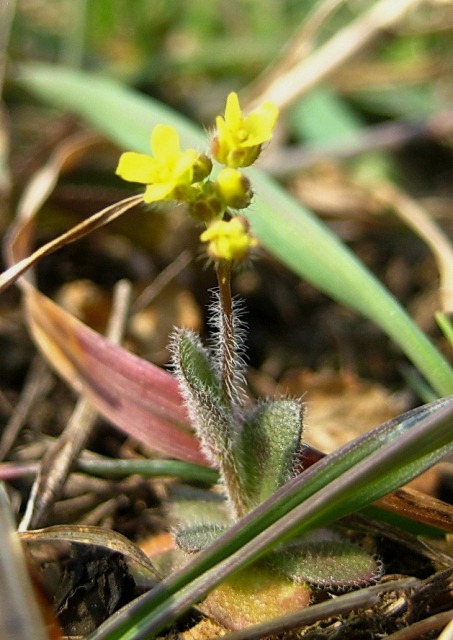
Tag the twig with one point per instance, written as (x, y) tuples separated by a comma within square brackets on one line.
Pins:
[(283, 91), (162, 280), (57, 464), (300, 45), (36, 385), (423, 627)]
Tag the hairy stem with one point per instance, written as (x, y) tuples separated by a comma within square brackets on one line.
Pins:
[(227, 338), (228, 362)]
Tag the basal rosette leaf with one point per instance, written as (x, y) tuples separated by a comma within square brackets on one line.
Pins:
[(327, 559), (268, 447)]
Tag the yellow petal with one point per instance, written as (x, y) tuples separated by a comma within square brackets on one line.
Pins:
[(228, 240), (158, 191), (183, 169), (233, 113), (260, 124), (136, 167), (165, 142)]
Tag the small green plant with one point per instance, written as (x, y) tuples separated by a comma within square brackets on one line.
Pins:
[(258, 448)]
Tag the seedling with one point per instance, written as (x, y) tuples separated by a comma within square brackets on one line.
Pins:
[(257, 449)]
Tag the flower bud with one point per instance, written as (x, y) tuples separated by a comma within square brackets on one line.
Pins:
[(228, 240), (234, 188), (205, 203), (202, 167)]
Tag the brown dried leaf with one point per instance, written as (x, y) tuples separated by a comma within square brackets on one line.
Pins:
[(419, 507), (140, 398)]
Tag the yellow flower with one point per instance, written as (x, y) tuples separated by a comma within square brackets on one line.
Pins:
[(228, 240), (166, 170), (238, 140)]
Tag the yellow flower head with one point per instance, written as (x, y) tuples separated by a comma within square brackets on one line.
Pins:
[(228, 240), (238, 140), (166, 170)]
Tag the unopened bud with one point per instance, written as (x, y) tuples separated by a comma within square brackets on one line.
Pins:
[(234, 188)]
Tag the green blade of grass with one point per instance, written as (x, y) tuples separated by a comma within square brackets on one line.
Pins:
[(283, 226), (110, 468), (306, 246), (341, 483)]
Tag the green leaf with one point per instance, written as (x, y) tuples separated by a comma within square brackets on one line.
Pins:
[(328, 560), (197, 537), (114, 468), (198, 508), (200, 388), (268, 448), (282, 225), (308, 247), (194, 362), (341, 483)]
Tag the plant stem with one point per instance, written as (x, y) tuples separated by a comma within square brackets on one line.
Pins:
[(228, 378), (227, 339)]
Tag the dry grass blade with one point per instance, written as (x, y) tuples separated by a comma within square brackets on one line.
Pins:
[(7, 11), (91, 535), (38, 381), (323, 62), (447, 633), (162, 280), (300, 45), (419, 507), (79, 231)]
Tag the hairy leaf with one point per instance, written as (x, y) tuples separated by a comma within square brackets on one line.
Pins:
[(327, 559), (268, 447)]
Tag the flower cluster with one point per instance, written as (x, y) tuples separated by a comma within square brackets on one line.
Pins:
[(173, 174)]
